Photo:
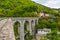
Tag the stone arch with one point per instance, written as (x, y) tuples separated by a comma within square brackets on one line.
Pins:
[(36, 25), (26, 29), (26, 26), (33, 26), (21, 25), (17, 30)]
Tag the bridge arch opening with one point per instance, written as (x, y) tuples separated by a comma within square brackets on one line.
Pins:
[(26, 29), (26, 24), (17, 30)]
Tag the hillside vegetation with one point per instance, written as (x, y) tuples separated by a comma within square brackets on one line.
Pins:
[(21, 8)]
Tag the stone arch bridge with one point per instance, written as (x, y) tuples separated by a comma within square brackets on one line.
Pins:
[(6, 27)]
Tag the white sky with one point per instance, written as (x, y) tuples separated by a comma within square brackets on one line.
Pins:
[(49, 3)]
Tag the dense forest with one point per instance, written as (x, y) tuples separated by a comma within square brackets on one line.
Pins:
[(21, 8)]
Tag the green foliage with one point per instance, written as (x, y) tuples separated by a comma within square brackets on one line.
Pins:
[(53, 36), (29, 36), (52, 23), (21, 8), (16, 8)]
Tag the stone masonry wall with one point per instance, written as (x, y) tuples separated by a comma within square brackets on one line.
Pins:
[(6, 31)]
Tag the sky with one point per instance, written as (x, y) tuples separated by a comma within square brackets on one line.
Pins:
[(49, 3)]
